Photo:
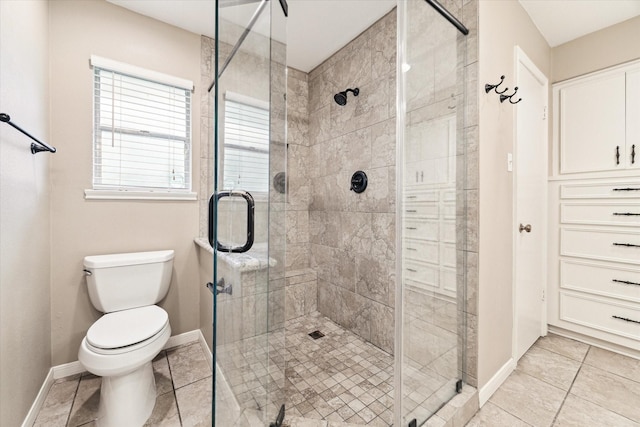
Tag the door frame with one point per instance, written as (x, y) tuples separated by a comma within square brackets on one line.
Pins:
[(521, 59)]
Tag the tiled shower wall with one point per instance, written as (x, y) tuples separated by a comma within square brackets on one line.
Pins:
[(352, 236), (348, 238)]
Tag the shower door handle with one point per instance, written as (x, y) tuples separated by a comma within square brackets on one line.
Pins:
[(251, 207)]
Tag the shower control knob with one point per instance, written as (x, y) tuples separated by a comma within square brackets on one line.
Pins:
[(358, 182), (526, 228)]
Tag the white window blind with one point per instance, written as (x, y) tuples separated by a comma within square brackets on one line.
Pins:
[(142, 134), (246, 147)]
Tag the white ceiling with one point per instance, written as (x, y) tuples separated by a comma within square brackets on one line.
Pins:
[(318, 28), (562, 21)]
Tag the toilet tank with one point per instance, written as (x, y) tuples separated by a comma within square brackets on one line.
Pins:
[(122, 281)]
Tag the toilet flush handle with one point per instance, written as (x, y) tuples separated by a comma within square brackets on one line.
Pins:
[(87, 272)]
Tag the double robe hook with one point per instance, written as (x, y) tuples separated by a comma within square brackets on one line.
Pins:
[(505, 97), (489, 87)]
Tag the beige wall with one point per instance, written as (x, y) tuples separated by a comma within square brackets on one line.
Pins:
[(503, 25), (25, 333), (607, 47), (81, 227)]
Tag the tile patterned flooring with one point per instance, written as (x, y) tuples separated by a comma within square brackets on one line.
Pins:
[(562, 382), (338, 378), (183, 385), (341, 381)]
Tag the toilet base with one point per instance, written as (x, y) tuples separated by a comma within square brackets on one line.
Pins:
[(127, 400)]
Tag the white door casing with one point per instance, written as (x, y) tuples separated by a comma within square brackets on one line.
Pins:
[(530, 204)]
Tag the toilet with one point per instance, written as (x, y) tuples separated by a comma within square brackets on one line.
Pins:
[(121, 345)]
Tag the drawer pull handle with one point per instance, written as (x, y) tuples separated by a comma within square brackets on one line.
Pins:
[(625, 282), (626, 214), (626, 320), (626, 189), (411, 249), (617, 154), (412, 228), (411, 211), (628, 245), (412, 270), (412, 197)]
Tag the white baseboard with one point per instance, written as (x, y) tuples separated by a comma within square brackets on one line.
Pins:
[(67, 369), (30, 419), (496, 381), (205, 349), (184, 338), (73, 368)]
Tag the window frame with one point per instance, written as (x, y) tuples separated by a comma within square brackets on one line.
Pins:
[(102, 192), (256, 103)]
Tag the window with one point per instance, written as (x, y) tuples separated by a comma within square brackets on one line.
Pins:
[(246, 144), (142, 130)]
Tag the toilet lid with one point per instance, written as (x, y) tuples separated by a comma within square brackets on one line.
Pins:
[(127, 327)]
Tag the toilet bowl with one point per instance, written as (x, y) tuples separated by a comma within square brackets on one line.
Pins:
[(121, 345)]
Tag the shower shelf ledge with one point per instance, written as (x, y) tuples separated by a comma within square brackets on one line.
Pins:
[(255, 259)]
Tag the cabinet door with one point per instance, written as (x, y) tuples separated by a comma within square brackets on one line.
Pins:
[(633, 119), (592, 125)]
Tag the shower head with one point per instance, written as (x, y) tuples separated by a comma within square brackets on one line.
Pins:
[(341, 97)]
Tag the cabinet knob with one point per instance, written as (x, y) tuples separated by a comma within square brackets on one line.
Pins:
[(526, 228)]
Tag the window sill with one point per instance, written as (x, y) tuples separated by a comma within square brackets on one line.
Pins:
[(139, 195)]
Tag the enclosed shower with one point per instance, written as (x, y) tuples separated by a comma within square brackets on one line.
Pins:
[(332, 304)]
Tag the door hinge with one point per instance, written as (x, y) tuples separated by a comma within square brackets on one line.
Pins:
[(543, 295), (544, 113)]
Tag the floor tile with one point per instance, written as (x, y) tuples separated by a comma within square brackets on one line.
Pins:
[(188, 364), (615, 363), (542, 400), (85, 405), (491, 415), (565, 346), (57, 405), (610, 391), (162, 374), (194, 403), (165, 412), (579, 412), (550, 367)]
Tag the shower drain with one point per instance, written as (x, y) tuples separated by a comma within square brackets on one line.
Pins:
[(316, 334)]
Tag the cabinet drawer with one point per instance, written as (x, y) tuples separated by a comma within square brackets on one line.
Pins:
[(421, 210), (421, 229), (601, 314), (448, 281), (422, 251), (604, 245), (618, 190), (600, 213), (423, 273), (610, 280), (422, 196)]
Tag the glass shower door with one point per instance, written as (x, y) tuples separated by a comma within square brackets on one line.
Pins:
[(431, 213), (246, 212)]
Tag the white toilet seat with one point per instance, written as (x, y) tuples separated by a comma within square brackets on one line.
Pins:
[(123, 360), (127, 330)]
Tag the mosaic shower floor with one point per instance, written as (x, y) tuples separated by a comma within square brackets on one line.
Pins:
[(338, 380)]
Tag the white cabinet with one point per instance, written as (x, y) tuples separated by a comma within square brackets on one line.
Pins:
[(594, 268), (597, 123), (633, 116), (429, 208)]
